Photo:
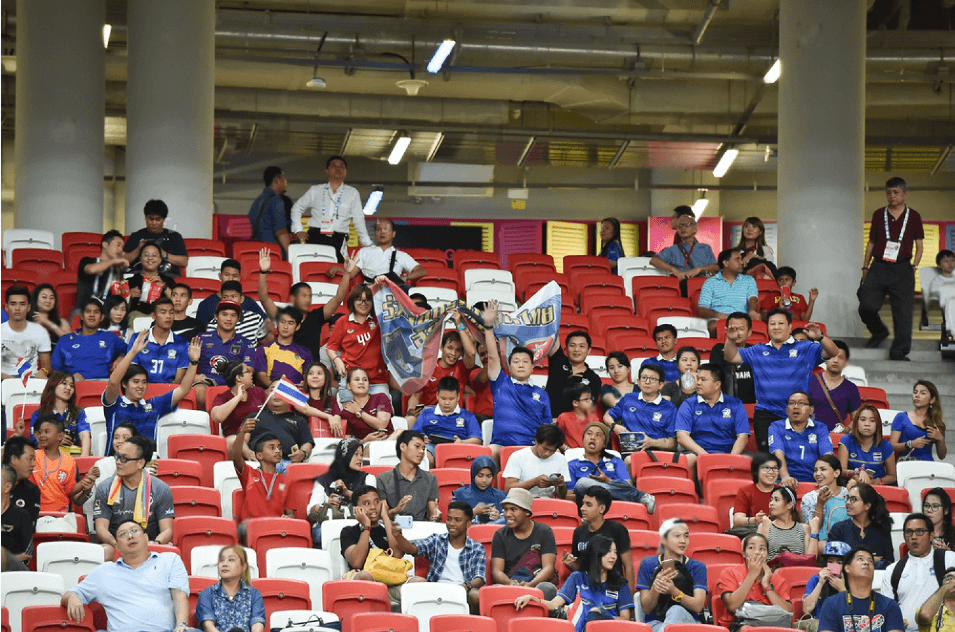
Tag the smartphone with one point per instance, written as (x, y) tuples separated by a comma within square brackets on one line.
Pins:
[(404, 522), (667, 565), (345, 395)]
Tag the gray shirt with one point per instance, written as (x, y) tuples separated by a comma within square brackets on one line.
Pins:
[(423, 488), (160, 505)]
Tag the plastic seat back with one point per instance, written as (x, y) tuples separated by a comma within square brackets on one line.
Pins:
[(715, 548), (264, 534), (497, 602), (175, 472), (21, 589), (348, 597), (462, 623), (426, 600), (55, 619), (193, 531), (312, 566), (283, 594), (205, 449)]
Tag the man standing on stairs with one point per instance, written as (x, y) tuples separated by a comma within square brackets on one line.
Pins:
[(895, 232)]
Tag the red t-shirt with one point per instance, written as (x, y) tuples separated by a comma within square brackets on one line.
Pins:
[(429, 394), (797, 306), (732, 578), (750, 500), (483, 398), (359, 344), (573, 427), (255, 397), (319, 426), (258, 504), (353, 425)]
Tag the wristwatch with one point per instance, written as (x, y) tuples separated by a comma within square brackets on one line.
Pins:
[(679, 598)]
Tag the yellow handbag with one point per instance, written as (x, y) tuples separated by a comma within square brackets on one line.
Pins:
[(391, 571)]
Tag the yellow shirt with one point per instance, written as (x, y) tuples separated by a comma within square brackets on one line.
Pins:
[(943, 621)]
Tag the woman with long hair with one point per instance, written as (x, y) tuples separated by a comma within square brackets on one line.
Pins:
[(232, 603), (356, 341), (333, 491), (782, 528), (751, 581), (59, 398), (610, 238), (869, 523), (365, 416), (687, 361), (864, 453), (752, 241), (830, 483), (45, 310), (604, 593), (937, 505), (916, 431), (116, 315), (230, 408), (752, 501), (618, 366), (317, 384), (672, 586)]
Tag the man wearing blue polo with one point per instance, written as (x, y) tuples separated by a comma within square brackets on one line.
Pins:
[(798, 441), (728, 292), (780, 366), (166, 355), (711, 422), (646, 411), (87, 352), (519, 406)]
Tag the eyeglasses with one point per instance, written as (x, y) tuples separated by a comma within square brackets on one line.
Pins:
[(852, 499), (770, 468), (125, 534), (932, 506), (649, 379), (918, 532), (792, 403), (363, 300), (122, 458), (586, 399), (685, 224)]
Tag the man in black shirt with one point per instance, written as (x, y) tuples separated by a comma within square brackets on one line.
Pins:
[(19, 453), (101, 276), (185, 326), (374, 530), (593, 507), (565, 367), (171, 245), (17, 536), (291, 430), (739, 377)]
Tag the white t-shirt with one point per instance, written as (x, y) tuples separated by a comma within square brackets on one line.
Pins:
[(942, 288), (452, 573), (524, 465), (916, 584), (373, 261), (27, 344)]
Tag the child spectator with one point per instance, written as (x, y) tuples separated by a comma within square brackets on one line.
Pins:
[(943, 289), (284, 356), (185, 326), (87, 354), (54, 471), (447, 422), (795, 304), (481, 494), (665, 337), (456, 361), (583, 413), (264, 487)]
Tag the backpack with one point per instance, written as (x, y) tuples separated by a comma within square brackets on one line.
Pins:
[(938, 561), (683, 581)]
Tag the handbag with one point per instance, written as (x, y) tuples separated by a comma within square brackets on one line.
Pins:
[(754, 613), (788, 558), (391, 571), (807, 623)]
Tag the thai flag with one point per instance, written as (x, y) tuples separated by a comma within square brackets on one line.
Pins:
[(288, 392), (24, 369)]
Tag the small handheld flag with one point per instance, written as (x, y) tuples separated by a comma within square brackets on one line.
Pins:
[(288, 392), (24, 370)]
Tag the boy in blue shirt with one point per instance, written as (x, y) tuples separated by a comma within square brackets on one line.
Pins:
[(798, 441), (166, 355), (447, 422), (665, 336), (646, 412), (87, 353)]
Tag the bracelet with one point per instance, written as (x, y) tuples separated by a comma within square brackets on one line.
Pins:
[(909, 444), (196, 363), (814, 536), (865, 267), (770, 588)]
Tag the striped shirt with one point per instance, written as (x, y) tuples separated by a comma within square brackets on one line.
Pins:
[(792, 539), (724, 297)]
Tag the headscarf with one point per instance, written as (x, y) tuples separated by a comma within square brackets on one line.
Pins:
[(340, 468), (472, 495)]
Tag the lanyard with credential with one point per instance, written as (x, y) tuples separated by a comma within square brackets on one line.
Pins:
[(328, 194), (905, 223), (855, 627), (687, 255), (268, 490)]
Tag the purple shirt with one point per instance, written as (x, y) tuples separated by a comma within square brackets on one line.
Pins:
[(277, 360), (845, 397), (214, 350)]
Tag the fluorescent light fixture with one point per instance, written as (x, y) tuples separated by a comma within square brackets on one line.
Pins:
[(374, 199), (444, 49), (316, 81), (107, 29), (772, 75), (700, 205), (725, 162), (398, 152)]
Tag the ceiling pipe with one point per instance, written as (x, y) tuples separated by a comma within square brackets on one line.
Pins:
[(707, 18)]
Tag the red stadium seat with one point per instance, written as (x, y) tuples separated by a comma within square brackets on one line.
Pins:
[(643, 543), (655, 315), (196, 501), (73, 255), (484, 535), (727, 466), (458, 455), (715, 548), (441, 277), (631, 515), (265, 534), (89, 393), (669, 490), (598, 283), (205, 247), (463, 623), (449, 480), (721, 493), (575, 321), (602, 315), (658, 463), (23, 276), (555, 512), (299, 480), (41, 260), (656, 282), (676, 305), (797, 577), (175, 472), (54, 618), (530, 262), (425, 256), (896, 498), (207, 450), (188, 402), (694, 627), (384, 622), (694, 285), (717, 605), (196, 586), (875, 396), (240, 248), (70, 239), (201, 288), (347, 597), (497, 602), (283, 594), (587, 263), (634, 344), (315, 271), (703, 345), (466, 257), (629, 325), (193, 531), (618, 626), (700, 518), (535, 624), (5, 620)]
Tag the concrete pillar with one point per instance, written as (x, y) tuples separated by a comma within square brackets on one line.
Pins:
[(822, 153), (59, 115), (169, 112)]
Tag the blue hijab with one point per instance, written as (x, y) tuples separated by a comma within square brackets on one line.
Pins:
[(474, 496)]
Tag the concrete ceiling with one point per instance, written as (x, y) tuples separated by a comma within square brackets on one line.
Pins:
[(599, 83)]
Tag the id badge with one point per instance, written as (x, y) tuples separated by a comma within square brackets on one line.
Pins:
[(891, 253), (326, 226)]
